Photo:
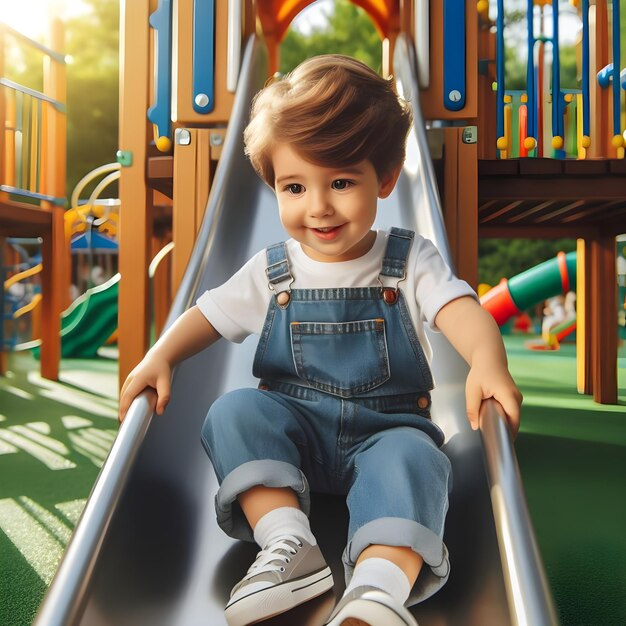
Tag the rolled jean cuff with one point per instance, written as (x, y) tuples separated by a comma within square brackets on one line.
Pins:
[(396, 531), (269, 473)]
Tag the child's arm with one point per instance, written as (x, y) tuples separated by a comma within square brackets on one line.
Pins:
[(476, 337), (189, 334)]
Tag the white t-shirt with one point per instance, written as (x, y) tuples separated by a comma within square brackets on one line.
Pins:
[(238, 307)]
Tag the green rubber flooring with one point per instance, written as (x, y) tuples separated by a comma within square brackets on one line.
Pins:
[(572, 456), (54, 437), (572, 453)]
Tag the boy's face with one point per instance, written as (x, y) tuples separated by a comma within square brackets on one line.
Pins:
[(329, 210)]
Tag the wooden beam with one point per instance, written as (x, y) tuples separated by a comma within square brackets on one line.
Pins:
[(161, 174), (23, 220), (568, 208), (135, 216), (523, 231), (559, 187), (507, 208)]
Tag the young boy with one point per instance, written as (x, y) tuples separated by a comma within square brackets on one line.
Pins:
[(343, 404)]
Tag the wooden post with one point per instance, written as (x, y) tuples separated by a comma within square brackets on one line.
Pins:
[(184, 196), (460, 203), (55, 274), (604, 319), (486, 95), (3, 354), (194, 165), (3, 172), (135, 230), (599, 98)]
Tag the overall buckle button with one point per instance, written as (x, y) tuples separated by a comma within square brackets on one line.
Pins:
[(283, 298), (423, 402), (390, 296)]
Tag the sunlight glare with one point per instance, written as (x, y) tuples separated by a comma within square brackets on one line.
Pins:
[(32, 17)]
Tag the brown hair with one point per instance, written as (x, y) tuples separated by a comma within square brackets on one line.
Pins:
[(335, 111)]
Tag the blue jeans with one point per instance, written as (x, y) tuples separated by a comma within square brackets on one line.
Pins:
[(389, 466)]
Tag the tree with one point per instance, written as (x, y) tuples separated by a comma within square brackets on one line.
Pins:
[(92, 42), (349, 31), (505, 258)]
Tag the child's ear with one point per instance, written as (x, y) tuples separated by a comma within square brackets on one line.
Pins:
[(388, 182)]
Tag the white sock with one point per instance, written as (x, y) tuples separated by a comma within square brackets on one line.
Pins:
[(286, 520), (384, 575)]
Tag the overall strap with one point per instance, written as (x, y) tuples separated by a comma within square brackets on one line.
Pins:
[(279, 273), (397, 253), (277, 270)]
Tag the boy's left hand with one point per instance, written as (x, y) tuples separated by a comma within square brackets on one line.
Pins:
[(498, 384)]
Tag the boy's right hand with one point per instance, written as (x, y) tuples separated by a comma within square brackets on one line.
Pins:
[(152, 373)]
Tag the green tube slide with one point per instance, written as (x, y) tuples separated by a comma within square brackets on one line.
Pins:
[(89, 321), (543, 281), (532, 286)]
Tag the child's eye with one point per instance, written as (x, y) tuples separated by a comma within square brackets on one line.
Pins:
[(294, 188), (340, 184)]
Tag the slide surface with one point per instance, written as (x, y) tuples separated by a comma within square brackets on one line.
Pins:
[(147, 550)]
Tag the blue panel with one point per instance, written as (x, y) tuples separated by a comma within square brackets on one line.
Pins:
[(160, 113), (203, 64), (557, 108), (454, 54), (615, 34)]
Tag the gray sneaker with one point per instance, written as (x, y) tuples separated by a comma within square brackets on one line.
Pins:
[(369, 606), (287, 573)]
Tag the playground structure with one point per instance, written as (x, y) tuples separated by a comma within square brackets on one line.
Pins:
[(156, 487), (460, 57), (550, 119), (90, 230), (220, 213), (32, 179)]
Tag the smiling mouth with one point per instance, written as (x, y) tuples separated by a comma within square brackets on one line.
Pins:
[(327, 232)]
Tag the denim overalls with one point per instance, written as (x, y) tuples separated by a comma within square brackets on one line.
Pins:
[(342, 407)]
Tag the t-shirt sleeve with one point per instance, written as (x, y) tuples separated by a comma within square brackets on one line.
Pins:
[(435, 283), (238, 307)]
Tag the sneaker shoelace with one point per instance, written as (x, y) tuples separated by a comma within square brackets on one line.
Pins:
[(271, 560)]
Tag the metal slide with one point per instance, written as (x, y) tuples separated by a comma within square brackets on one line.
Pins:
[(147, 550)]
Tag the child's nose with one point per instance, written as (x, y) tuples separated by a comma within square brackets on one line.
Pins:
[(320, 206)]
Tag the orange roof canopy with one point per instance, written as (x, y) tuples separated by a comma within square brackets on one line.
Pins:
[(277, 15)]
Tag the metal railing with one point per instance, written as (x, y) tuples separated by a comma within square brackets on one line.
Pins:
[(31, 119)]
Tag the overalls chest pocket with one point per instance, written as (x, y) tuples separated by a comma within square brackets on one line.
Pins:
[(342, 358)]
